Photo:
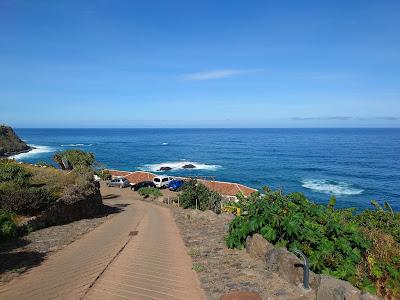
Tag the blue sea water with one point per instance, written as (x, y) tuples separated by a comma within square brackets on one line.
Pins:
[(355, 165)]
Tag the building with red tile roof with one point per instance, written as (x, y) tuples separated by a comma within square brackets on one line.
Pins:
[(221, 187)]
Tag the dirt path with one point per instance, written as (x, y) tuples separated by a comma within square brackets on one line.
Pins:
[(137, 254)]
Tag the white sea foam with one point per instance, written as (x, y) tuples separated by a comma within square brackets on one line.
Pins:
[(164, 144), (37, 150), (75, 145), (177, 165), (331, 187)]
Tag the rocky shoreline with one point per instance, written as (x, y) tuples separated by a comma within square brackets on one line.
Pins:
[(10, 143)]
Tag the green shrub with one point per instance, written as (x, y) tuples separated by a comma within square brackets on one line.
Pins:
[(70, 159), (149, 191), (104, 175), (333, 240), (382, 218), (11, 171), (24, 200), (8, 229), (194, 192)]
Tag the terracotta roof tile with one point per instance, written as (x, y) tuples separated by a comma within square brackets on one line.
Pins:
[(223, 188)]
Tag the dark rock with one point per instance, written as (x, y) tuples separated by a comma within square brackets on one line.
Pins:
[(257, 246), (10, 143), (241, 295), (165, 169), (335, 289), (189, 166)]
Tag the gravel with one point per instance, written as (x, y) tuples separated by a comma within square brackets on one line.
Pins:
[(227, 270)]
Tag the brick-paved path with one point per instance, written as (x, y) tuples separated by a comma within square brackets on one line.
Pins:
[(111, 263)]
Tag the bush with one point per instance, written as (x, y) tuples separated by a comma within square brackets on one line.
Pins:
[(104, 175), (24, 200), (333, 240), (194, 192), (69, 159), (11, 171), (8, 229), (149, 191)]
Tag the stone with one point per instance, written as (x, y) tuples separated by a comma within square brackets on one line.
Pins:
[(281, 261), (257, 246), (241, 295), (165, 169), (368, 296), (189, 166), (226, 217), (289, 267), (335, 289)]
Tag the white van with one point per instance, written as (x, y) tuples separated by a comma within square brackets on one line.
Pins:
[(162, 181)]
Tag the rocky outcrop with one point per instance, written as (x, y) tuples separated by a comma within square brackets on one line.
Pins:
[(289, 267), (165, 169), (10, 143), (189, 166), (332, 288), (257, 246)]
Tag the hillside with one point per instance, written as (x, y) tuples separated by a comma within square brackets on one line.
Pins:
[(10, 143)]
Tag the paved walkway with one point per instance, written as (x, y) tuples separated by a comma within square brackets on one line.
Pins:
[(138, 254)]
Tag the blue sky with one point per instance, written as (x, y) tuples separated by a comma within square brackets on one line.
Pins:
[(200, 63)]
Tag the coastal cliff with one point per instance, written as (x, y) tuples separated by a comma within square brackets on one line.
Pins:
[(10, 143)]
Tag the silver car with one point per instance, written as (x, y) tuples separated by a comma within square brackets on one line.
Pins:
[(120, 182)]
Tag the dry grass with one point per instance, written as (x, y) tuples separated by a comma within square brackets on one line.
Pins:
[(54, 179)]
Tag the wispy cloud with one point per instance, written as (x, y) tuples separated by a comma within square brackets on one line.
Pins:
[(216, 74), (341, 118)]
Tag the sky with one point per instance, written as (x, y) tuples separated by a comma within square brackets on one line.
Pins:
[(114, 63)]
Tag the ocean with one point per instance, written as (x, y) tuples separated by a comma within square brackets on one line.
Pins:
[(354, 165)]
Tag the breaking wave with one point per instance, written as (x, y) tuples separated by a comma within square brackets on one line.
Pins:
[(164, 144), (76, 145), (331, 187), (37, 150), (178, 165)]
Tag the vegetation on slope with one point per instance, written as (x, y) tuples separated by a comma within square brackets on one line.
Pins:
[(10, 143), (197, 195), (361, 249)]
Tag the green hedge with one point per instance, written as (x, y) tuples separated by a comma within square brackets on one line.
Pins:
[(8, 229), (335, 241)]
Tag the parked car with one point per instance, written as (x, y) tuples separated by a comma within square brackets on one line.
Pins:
[(162, 181), (120, 182), (175, 184), (139, 185)]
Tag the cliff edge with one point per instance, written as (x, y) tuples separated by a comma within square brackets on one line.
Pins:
[(10, 143)]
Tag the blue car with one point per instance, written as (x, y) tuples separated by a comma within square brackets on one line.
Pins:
[(175, 184)]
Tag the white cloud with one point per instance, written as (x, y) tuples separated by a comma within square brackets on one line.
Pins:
[(217, 74)]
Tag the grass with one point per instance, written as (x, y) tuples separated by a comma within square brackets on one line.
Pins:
[(194, 251), (198, 267), (54, 179)]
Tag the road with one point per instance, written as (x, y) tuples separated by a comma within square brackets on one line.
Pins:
[(137, 254)]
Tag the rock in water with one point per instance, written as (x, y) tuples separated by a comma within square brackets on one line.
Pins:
[(10, 143), (189, 166), (165, 169)]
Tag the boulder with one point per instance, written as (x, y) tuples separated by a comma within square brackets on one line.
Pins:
[(368, 296), (188, 166), (335, 289), (289, 267), (241, 295), (165, 169), (257, 246)]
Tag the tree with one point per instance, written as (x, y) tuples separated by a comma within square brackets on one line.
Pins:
[(70, 159)]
